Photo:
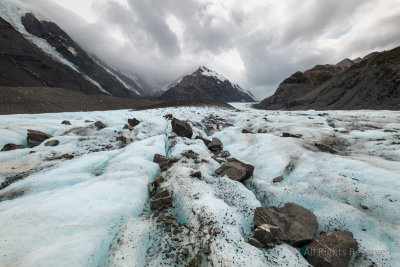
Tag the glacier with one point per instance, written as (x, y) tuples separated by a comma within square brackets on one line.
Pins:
[(92, 210)]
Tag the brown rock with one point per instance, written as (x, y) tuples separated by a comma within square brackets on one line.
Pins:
[(52, 143), (196, 174), (133, 122), (161, 200), (325, 148), (215, 145), (278, 179), (125, 140), (35, 138), (205, 141), (67, 156), (225, 154), (66, 122), (292, 223), (100, 125), (291, 135), (236, 170), (9, 147), (333, 249), (181, 128), (163, 161), (254, 242)]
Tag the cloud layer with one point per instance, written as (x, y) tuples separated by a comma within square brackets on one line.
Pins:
[(256, 43)]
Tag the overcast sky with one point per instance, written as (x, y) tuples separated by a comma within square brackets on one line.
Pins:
[(256, 43)]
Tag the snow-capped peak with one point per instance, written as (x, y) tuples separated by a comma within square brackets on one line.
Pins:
[(207, 72)]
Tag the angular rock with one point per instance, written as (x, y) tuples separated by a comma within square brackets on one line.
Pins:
[(278, 179), (225, 154), (168, 116), (333, 249), (161, 200), (163, 161), (52, 143), (181, 128), (236, 170), (246, 131), (9, 147), (133, 122), (127, 126), (100, 125), (254, 242), (215, 145), (190, 154), (291, 135), (125, 140), (196, 174), (292, 223), (35, 138), (65, 122)]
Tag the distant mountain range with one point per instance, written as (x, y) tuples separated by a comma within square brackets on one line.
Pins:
[(206, 84), (371, 82)]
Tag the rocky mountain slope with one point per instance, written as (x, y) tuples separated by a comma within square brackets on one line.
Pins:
[(200, 186), (207, 84), (39, 53), (372, 82)]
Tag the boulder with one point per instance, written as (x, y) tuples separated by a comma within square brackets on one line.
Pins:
[(181, 128), (9, 147), (127, 126), (254, 242), (333, 249), (196, 174), (35, 138), (125, 140), (246, 131), (161, 200), (205, 141), (66, 122), (292, 223), (52, 143), (236, 170), (133, 122), (278, 179), (225, 154), (215, 145), (100, 125), (163, 161)]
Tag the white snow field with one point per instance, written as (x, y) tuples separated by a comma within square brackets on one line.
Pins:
[(92, 210)]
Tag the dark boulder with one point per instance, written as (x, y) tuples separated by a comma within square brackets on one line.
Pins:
[(66, 122), (291, 135), (254, 242), (205, 141), (161, 200), (9, 147), (100, 125), (163, 161), (292, 223), (35, 138), (196, 174), (333, 249), (236, 170), (125, 140), (181, 128), (246, 131), (225, 154), (278, 179), (168, 116), (215, 145), (52, 143), (133, 122)]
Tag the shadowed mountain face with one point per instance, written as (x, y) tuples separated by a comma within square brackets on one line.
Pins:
[(372, 82), (207, 84)]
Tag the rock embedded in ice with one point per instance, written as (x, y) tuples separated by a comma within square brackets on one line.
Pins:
[(35, 138), (125, 140), (246, 131), (205, 141), (163, 161), (225, 154), (133, 122), (254, 242), (168, 116), (65, 122), (52, 143), (181, 128), (196, 174), (215, 145), (128, 127), (292, 223), (332, 249), (236, 170), (9, 147), (161, 200), (278, 179), (100, 125), (291, 135)]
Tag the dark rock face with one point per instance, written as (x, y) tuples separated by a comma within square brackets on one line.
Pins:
[(370, 83), (206, 84), (35, 138), (9, 147), (52, 143), (66, 122), (236, 170), (181, 128), (64, 45), (163, 161), (161, 200), (292, 223), (133, 122), (215, 145), (333, 249)]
